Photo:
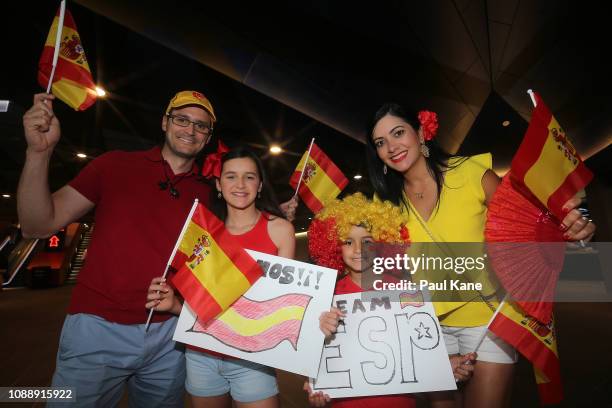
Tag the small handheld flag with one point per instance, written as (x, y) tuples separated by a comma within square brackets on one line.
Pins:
[(63, 67), (537, 342), (317, 179), (546, 165), (213, 268)]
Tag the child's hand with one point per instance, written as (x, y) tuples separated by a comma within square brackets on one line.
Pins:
[(463, 366), (316, 399), (160, 297), (328, 321)]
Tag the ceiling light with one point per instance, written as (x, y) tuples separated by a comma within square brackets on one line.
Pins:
[(81, 155), (506, 123), (6, 195), (357, 176), (100, 92), (275, 149)]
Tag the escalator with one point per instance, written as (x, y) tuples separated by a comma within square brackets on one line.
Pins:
[(21, 255), (51, 262), (79, 255), (5, 242)]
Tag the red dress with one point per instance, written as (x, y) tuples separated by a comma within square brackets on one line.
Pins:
[(346, 286)]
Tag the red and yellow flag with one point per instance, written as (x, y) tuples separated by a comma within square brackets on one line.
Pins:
[(547, 164), (253, 326), (72, 81), (322, 179), (213, 268), (538, 343)]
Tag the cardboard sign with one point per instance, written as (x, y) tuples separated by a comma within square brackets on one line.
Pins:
[(275, 323), (389, 343)]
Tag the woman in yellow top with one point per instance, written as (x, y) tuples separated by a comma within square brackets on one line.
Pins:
[(444, 199)]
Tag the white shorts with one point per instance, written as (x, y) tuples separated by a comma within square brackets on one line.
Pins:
[(462, 340)]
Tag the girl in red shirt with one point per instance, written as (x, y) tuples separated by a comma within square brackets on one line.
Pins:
[(245, 202)]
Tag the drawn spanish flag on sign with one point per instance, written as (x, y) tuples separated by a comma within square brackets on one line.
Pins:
[(322, 179), (538, 343), (547, 164), (253, 326), (213, 269), (72, 81), (412, 299)]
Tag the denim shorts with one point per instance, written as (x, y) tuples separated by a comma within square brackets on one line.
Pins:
[(99, 359), (211, 376)]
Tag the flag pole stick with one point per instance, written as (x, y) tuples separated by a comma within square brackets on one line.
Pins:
[(58, 39), (303, 168), (176, 245), (484, 333), (486, 330), (532, 95)]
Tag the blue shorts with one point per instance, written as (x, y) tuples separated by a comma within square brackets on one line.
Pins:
[(211, 376), (98, 358)]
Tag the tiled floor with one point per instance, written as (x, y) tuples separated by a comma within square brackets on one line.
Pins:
[(30, 323)]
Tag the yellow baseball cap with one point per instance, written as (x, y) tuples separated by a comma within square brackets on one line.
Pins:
[(184, 98)]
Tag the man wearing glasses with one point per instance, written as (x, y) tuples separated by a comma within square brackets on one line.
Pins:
[(141, 199)]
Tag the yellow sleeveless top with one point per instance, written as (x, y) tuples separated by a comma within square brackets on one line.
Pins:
[(459, 217)]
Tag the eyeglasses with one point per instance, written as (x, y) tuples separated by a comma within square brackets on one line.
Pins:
[(199, 127)]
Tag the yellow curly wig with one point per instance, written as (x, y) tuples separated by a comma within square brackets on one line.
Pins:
[(332, 224), (381, 218)]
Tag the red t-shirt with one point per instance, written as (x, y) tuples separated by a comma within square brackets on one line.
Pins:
[(346, 286), (136, 227)]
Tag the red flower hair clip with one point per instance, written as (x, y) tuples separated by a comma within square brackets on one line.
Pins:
[(429, 124), (212, 163)]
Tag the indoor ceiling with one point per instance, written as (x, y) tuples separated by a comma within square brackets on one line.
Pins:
[(288, 71)]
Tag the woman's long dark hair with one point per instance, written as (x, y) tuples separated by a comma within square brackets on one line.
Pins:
[(390, 186), (265, 201)]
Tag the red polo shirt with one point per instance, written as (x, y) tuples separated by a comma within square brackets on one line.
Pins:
[(137, 225)]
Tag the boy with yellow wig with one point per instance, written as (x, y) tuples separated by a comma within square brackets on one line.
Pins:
[(339, 238)]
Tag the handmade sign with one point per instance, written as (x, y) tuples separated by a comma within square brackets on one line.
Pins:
[(389, 343), (275, 323)]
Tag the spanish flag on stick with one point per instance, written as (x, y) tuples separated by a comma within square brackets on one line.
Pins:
[(213, 268), (546, 164), (537, 342), (63, 63), (317, 179)]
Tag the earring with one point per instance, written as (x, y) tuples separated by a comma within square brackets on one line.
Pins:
[(219, 196), (385, 169), (424, 150)]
